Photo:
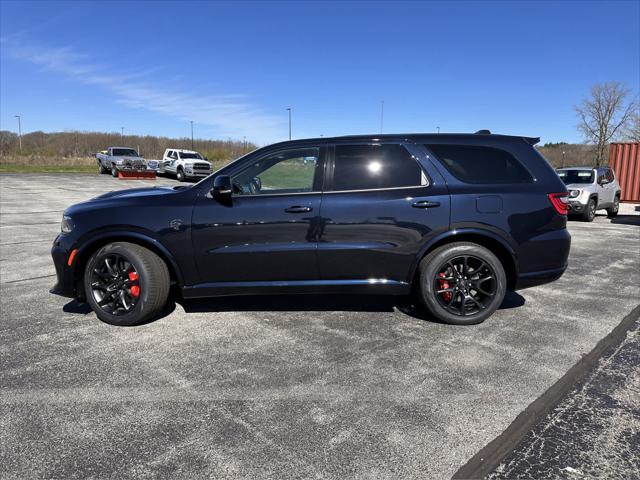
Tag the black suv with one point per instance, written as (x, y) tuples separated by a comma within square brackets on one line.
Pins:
[(458, 218)]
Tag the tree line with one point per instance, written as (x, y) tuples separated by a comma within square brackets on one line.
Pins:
[(86, 144)]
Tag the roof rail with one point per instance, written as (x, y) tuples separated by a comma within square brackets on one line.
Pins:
[(483, 132)]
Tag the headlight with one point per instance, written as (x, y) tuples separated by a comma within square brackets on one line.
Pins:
[(67, 224), (574, 193)]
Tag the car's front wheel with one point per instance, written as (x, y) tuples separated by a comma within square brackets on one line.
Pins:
[(180, 175), (462, 283), (114, 171), (126, 284), (613, 211), (589, 212)]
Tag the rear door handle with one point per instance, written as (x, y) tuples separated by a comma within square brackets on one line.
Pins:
[(425, 204), (298, 209)]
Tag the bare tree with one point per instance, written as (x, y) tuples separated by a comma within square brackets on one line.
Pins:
[(604, 115), (632, 133)]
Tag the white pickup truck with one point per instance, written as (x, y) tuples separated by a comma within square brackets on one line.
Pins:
[(184, 164), (114, 159)]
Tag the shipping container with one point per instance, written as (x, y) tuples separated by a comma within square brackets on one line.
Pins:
[(624, 158)]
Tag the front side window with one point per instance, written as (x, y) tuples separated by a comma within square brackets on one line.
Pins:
[(365, 167), (485, 165), (288, 171)]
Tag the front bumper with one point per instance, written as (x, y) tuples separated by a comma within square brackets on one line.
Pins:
[(65, 278), (576, 207), (197, 174)]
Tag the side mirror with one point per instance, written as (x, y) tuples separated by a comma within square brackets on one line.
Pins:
[(222, 187), (603, 181)]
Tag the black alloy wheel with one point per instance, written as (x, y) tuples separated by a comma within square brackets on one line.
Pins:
[(461, 283), (465, 285), (126, 284), (115, 284)]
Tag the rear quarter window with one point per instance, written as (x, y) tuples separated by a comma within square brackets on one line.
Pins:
[(478, 164)]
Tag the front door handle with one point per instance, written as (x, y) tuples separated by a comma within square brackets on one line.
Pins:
[(425, 204), (298, 209)]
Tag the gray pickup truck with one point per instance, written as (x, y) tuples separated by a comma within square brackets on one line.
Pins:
[(115, 159)]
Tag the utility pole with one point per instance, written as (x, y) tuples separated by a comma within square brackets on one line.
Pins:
[(244, 143), (381, 114), (122, 132), (289, 110), (438, 128), (19, 132), (563, 159), (191, 134)]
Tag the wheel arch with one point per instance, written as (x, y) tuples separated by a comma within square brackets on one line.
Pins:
[(89, 247), (498, 246)]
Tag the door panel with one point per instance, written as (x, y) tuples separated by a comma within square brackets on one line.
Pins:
[(256, 239), (378, 234), (268, 230)]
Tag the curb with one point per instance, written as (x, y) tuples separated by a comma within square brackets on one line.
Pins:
[(489, 457)]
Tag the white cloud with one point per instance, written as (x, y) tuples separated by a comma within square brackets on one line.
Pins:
[(227, 115)]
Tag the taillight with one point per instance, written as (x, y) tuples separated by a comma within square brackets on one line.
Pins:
[(560, 202)]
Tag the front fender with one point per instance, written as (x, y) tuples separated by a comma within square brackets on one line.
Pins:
[(93, 241)]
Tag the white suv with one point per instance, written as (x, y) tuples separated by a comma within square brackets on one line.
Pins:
[(184, 164), (591, 189)]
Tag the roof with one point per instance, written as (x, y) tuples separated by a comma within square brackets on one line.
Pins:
[(413, 137), (183, 150)]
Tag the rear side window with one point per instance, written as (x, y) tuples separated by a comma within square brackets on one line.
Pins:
[(364, 167), (476, 164)]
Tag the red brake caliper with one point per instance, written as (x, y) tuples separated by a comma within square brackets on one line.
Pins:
[(443, 284), (135, 289)]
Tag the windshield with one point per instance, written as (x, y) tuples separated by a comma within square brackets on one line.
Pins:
[(185, 155), (124, 152), (576, 176)]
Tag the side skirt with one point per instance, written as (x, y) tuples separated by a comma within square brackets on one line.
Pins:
[(367, 286)]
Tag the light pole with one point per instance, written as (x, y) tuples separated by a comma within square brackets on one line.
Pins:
[(563, 159), (191, 134), (289, 110), (381, 114), (438, 128), (122, 132), (244, 143), (19, 132)]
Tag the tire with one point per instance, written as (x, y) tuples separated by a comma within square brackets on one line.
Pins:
[(613, 211), (589, 211), (467, 311), (152, 281), (101, 169), (180, 175), (114, 171)]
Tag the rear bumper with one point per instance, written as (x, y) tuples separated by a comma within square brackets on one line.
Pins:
[(543, 259), (533, 279)]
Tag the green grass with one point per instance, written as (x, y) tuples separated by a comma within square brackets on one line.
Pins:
[(17, 168)]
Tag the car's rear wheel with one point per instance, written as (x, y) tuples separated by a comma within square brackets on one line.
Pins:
[(126, 284), (180, 175), (462, 283), (589, 212), (101, 168), (613, 211)]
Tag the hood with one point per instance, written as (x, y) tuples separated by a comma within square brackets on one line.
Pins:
[(133, 196), (578, 186)]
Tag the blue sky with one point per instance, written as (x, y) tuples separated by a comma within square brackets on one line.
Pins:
[(233, 68)]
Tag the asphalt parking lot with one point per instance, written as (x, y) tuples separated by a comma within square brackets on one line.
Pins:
[(281, 387)]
